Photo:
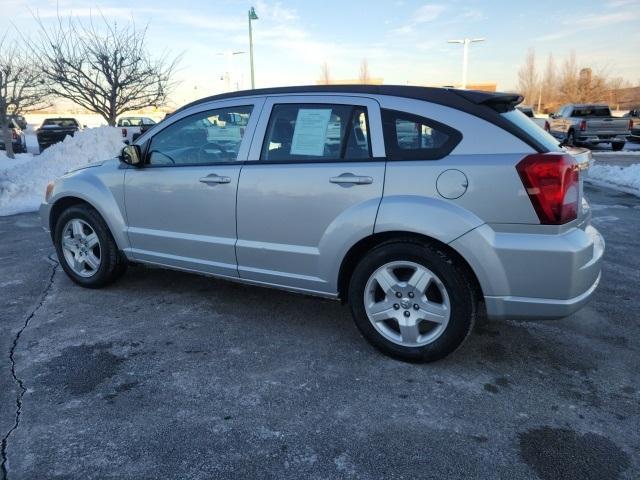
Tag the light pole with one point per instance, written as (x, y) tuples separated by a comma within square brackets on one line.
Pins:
[(465, 55), (252, 16)]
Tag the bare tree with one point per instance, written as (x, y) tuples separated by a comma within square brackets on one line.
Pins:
[(21, 85), (528, 78), (550, 85), (364, 77), (568, 79), (104, 68), (325, 74)]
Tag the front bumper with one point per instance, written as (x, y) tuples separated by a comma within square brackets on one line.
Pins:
[(534, 276)]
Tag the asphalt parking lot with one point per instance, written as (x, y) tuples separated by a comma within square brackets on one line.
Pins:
[(171, 375)]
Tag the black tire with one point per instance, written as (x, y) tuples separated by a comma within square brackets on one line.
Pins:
[(617, 146), (112, 262), (452, 276)]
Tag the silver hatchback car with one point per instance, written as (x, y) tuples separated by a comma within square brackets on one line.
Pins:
[(420, 207)]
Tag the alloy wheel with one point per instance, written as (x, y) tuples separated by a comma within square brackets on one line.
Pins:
[(407, 303), (81, 248)]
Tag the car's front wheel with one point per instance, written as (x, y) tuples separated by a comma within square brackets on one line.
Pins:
[(412, 301), (86, 250)]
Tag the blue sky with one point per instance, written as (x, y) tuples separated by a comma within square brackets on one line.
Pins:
[(404, 41)]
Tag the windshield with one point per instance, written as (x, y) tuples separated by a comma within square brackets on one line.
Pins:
[(592, 111), (60, 122), (530, 127)]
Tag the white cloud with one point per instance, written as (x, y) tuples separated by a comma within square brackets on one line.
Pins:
[(424, 14), (428, 13), (275, 11), (575, 25)]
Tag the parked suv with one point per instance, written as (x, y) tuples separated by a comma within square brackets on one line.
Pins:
[(420, 207), (17, 136)]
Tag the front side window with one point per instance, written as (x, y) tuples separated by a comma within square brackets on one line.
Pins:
[(312, 132), (207, 137), (410, 137)]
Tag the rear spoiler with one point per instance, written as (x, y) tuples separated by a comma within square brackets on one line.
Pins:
[(500, 102)]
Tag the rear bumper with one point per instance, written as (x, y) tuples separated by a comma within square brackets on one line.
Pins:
[(534, 276), (594, 138), (527, 308)]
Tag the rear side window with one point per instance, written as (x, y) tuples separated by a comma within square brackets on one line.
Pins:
[(411, 137), (532, 129), (312, 132)]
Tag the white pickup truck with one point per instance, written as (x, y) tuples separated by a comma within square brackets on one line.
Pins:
[(588, 124), (133, 127)]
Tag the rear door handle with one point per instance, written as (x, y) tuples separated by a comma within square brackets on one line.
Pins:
[(351, 179), (214, 179)]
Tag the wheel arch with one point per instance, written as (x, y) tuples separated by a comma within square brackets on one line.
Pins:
[(365, 245), (60, 206), (64, 202)]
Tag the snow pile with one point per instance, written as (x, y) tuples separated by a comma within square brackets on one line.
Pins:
[(626, 178), (23, 181)]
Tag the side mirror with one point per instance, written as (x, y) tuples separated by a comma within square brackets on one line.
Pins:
[(84, 126), (131, 155)]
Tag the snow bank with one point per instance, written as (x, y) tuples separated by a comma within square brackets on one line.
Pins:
[(23, 180), (626, 178)]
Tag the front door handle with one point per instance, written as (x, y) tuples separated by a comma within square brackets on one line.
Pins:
[(351, 179), (214, 179)]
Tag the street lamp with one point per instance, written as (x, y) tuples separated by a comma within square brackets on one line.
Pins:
[(465, 55), (227, 75), (252, 16)]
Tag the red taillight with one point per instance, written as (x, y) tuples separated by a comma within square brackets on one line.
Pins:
[(583, 125), (630, 124), (14, 134), (552, 183), (124, 132)]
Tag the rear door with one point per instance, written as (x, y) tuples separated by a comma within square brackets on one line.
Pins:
[(181, 205), (311, 188)]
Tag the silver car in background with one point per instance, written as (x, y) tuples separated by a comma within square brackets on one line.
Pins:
[(420, 207)]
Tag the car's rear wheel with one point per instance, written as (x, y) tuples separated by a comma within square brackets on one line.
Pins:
[(412, 301), (617, 146), (86, 249)]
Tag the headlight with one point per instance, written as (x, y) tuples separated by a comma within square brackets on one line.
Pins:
[(48, 191)]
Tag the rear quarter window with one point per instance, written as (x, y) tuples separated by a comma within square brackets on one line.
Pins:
[(412, 137)]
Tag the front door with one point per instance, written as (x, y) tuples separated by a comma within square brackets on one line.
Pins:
[(181, 205), (311, 187)]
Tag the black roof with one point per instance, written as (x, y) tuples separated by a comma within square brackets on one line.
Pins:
[(485, 105), (444, 96)]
